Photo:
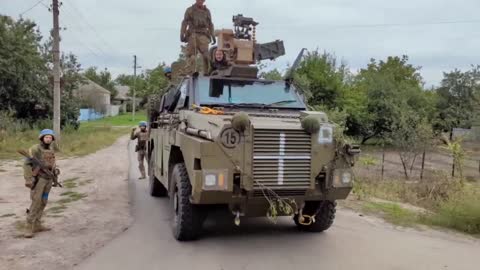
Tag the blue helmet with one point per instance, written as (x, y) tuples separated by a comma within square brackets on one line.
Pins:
[(142, 124), (167, 70), (46, 132)]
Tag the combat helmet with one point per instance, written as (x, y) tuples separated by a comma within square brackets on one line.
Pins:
[(46, 132)]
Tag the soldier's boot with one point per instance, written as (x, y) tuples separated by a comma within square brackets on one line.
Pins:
[(39, 227), (29, 231)]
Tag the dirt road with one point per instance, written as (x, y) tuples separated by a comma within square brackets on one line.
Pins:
[(91, 209), (354, 242)]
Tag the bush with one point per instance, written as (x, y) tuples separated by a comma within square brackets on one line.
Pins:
[(428, 194), (460, 212), (452, 203)]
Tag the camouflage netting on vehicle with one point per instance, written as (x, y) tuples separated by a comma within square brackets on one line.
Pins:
[(311, 124), (153, 107), (240, 121)]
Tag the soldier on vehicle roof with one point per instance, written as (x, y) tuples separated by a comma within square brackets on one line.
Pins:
[(197, 31)]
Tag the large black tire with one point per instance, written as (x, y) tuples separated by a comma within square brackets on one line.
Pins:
[(155, 187), (187, 218), (323, 220)]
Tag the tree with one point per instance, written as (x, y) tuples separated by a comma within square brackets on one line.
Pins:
[(273, 75), (381, 93), (457, 99), (148, 83), (70, 81), (411, 134), (26, 81), (23, 73), (102, 78), (326, 79)]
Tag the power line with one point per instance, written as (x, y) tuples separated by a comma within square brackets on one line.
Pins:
[(85, 32), (335, 26), (82, 17), (83, 44), (32, 7)]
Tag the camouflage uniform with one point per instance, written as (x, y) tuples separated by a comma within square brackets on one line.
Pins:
[(197, 31), (141, 148), (39, 194)]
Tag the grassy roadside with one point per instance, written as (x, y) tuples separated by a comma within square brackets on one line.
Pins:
[(451, 204), (89, 138)]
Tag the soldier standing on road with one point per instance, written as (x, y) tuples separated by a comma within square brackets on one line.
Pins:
[(141, 148), (198, 31), (40, 181)]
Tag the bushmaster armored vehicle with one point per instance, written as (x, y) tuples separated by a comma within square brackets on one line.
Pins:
[(231, 139)]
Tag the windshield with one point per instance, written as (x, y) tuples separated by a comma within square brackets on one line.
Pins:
[(248, 93)]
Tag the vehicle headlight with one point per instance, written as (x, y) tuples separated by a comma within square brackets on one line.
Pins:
[(342, 178), (325, 134), (215, 180), (346, 178)]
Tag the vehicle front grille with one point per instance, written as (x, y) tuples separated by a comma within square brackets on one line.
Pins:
[(281, 161)]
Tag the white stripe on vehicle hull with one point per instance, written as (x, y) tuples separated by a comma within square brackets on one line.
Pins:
[(282, 157)]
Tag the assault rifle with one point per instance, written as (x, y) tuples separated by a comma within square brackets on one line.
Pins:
[(40, 166)]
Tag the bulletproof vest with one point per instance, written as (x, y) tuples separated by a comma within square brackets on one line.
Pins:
[(47, 156), (200, 18), (142, 136), (142, 140)]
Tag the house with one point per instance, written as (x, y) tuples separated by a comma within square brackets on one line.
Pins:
[(95, 101), (122, 98)]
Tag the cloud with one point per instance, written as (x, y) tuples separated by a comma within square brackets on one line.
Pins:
[(438, 35)]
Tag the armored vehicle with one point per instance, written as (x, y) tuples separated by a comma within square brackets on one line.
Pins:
[(231, 139)]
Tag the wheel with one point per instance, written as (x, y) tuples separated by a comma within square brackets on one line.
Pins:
[(187, 218), (156, 189), (323, 220)]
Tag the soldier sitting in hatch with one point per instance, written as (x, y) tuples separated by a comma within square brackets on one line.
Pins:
[(219, 61)]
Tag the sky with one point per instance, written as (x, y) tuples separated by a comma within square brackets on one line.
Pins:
[(437, 35)]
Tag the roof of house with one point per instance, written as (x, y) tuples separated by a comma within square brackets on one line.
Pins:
[(122, 92), (89, 86)]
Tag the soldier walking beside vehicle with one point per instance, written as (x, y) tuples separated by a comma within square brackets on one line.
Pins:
[(141, 148), (197, 31), (40, 173)]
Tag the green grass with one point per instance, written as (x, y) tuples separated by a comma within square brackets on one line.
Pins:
[(393, 213), (454, 205), (70, 183), (89, 138), (461, 212), (72, 197), (124, 120), (57, 209), (86, 182), (68, 193), (55, 216)]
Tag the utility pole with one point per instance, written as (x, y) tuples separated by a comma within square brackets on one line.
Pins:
[(56, 69), (134, 85)]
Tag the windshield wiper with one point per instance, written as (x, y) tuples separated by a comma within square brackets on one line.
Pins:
[(250, 104), (281, 102)]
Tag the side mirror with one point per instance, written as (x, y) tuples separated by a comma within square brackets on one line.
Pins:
[(353, 150)]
